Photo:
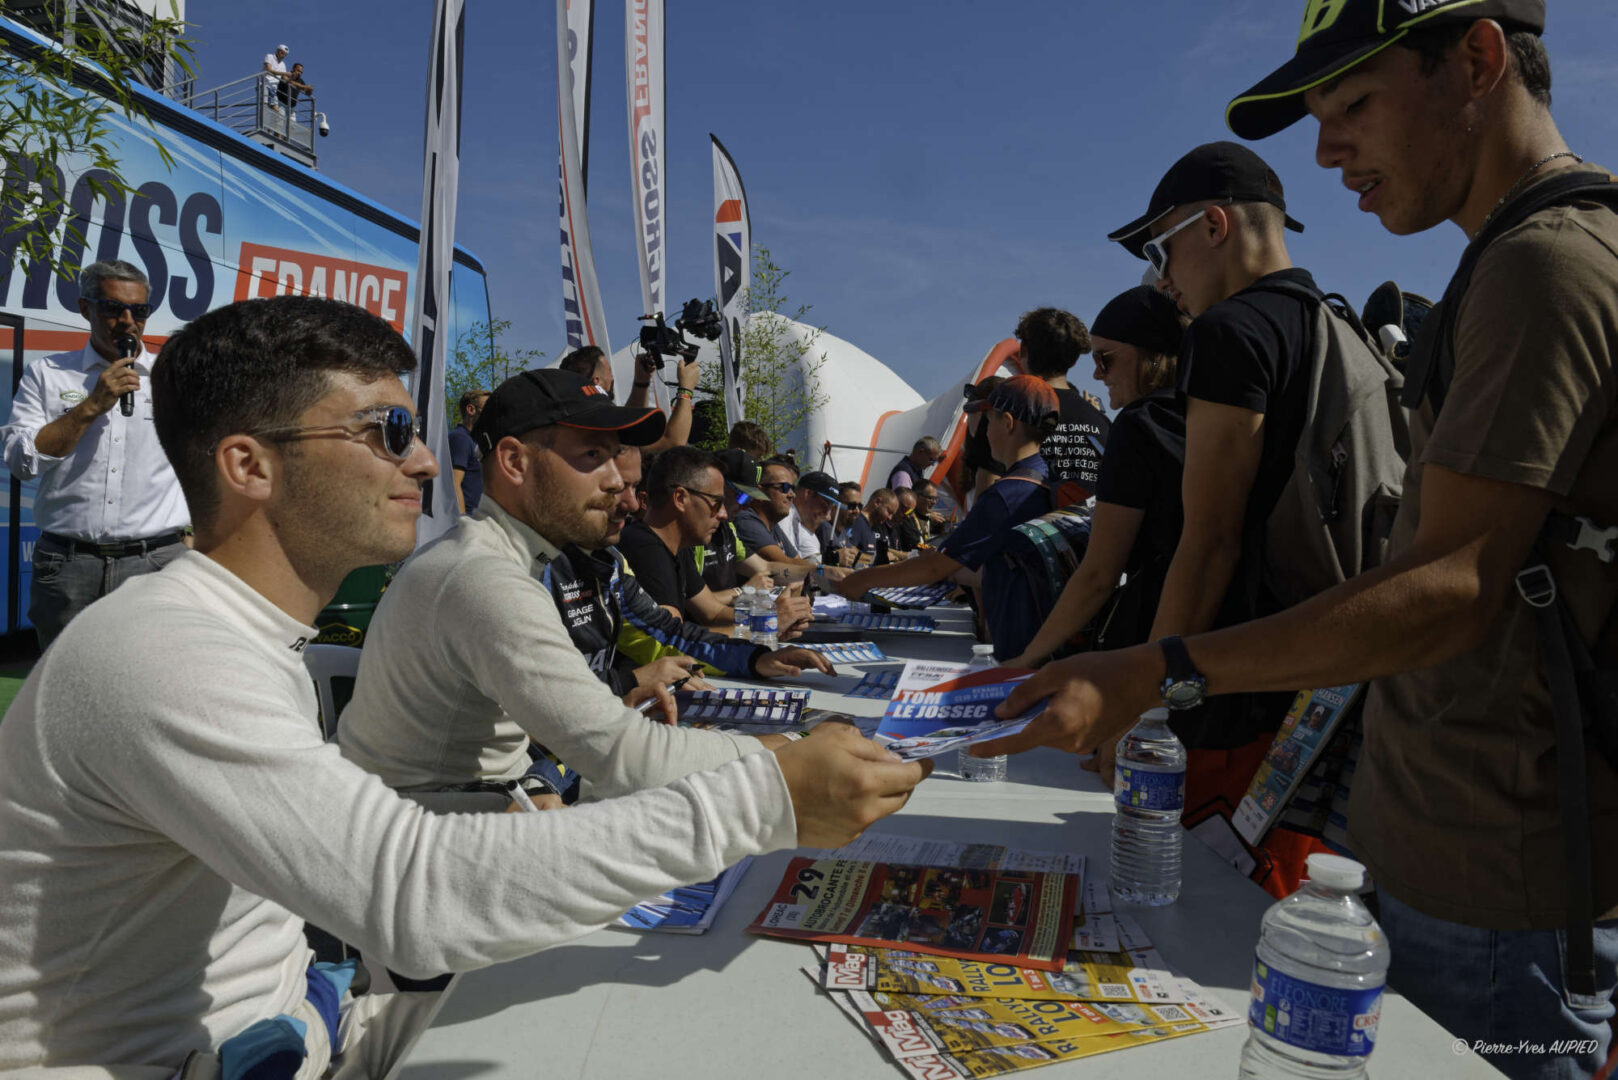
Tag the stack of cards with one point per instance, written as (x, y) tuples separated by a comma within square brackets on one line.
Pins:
[(738, 708), (688, 909), (911, 596), (849, 652), (898, 624), (877, 684)]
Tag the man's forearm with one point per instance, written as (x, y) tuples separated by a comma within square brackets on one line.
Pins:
[(922, 570), (1399, 617), (640, 396), (60, 436), (1196, 584)]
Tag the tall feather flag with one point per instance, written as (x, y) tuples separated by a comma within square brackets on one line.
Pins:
[(646, 93), (732, 272), (435, 254), (581, 294)]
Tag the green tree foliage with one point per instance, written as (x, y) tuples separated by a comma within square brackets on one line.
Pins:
[(56, 113), (482, 360), (780, 368)]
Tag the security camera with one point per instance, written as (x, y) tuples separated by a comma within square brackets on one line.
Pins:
[(325, 128)]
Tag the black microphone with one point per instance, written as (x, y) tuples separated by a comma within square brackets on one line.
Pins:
[(127, 346)]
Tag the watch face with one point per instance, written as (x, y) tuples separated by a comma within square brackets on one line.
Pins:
[(1184, 694)]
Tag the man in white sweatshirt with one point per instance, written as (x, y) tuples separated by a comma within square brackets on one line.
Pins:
[(169, 814)]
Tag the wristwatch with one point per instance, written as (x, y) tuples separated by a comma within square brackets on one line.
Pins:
[(1185, 687)]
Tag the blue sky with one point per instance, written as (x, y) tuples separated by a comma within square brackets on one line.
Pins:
[(925, 171)]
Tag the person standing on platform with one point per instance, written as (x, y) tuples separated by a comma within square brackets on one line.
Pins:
[(1052, 340), (1458, 803), (463, 452), (275, 69), (108, 505)]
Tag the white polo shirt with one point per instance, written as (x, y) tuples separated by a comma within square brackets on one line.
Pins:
[(116, 483)]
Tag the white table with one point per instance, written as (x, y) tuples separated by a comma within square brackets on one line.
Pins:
[(620, 1005)]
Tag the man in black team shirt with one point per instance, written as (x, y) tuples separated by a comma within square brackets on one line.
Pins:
[(1052, 342)]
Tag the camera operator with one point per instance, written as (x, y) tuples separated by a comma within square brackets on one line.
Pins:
[(687, 373)]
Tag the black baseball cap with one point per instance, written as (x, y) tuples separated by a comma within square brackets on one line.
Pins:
[(822, 484), (741, 472), (546, 396), (1142, 317), (1337, 34), (1218, 170)]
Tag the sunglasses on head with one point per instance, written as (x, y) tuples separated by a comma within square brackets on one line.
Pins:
[(112, 309), (399, 429), (1156, 249)]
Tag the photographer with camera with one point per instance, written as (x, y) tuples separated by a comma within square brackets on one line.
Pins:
[(658, 343), (591, 363)]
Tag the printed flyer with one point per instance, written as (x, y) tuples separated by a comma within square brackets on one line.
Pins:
[(1308, 727), (938, 707), (1140, 977)]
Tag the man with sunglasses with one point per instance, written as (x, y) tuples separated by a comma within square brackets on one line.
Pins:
[(762, 523), (108, 505), (170, 812)]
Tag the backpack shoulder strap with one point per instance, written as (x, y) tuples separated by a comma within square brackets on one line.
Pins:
[(1432, 356)]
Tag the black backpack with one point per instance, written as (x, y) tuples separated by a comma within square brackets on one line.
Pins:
[(1584, 696)]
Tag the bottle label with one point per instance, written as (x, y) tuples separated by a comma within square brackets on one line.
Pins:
[(1150, 789), (764, 622), (1322, 1019)]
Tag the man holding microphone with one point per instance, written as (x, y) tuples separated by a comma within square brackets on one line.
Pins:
[(108, 505)]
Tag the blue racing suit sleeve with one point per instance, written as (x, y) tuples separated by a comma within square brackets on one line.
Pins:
[(734, 658)]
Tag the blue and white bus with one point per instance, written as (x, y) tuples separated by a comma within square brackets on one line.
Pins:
[(231, 220)]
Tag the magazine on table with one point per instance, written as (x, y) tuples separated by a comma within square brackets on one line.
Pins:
[(1010, 915), (895, 624), (686, 909), (911, 596), (849, 652), (1001, 1059), (1141, 977), (730, 708), (938, 707), (921, 851), (1307, 729), (918, 1025)]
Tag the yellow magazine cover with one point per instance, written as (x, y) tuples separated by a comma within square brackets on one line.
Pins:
[(1107, 977)]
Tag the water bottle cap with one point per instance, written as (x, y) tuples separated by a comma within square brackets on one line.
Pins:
[(1158, 714), (983, 650), (1335, 872)]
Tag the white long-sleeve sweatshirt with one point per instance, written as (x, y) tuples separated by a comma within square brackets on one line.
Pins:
[(467, 657), (169, 816)]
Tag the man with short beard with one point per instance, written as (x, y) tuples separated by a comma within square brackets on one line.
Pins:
[(629, 640), (467, 658)]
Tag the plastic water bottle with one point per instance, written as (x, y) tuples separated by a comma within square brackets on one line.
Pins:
[(978, 768), (1149, 791), (743, 607), (762, 619), (1318, 974)]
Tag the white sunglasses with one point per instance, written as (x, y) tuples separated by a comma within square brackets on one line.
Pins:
[(1156, 249)]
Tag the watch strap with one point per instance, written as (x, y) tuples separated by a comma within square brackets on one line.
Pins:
[(1177, 659)]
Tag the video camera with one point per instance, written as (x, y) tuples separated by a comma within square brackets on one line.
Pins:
[(697, 317)]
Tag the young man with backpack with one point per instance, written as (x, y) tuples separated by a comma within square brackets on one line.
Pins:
[(1019, 414), (1488, 823), (1262, 369)]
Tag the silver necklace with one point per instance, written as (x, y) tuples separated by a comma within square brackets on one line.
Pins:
[(1523, 179)]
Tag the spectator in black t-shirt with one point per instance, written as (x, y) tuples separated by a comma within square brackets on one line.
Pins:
[(1214, 233), (1052, 342), (463, 452), (685, 494), (1136, 523), (914, 465)]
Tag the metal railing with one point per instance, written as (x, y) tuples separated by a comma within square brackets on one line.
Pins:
[(264, 108)]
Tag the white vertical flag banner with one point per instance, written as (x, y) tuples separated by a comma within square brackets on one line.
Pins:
[(646, 88), (581, 295), (732, 273), (435, 254)]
